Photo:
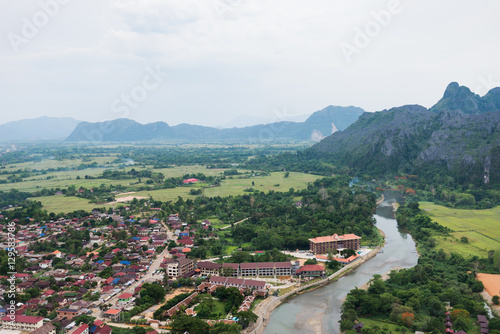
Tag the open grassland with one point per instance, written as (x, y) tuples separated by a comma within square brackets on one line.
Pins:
[(65, 179), (275, 181), (163, 195), (377, 321), (233, 187), (61, 203), (480, 227), (178, 171), (53, 163)]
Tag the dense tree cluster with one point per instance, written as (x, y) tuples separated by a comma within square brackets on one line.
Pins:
[(417, 297)]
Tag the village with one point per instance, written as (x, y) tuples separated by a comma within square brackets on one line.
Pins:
[(145, 280)]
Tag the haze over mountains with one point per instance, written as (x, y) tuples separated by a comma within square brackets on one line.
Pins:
[(319, 125), (461, 133), (42, 128)]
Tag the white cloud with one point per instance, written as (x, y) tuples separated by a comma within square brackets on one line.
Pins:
[(229, 57)]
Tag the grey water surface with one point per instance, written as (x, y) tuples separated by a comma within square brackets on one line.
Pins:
[(318, 311)]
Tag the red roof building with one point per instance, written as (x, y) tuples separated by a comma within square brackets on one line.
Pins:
[(79, 330), (323, 245), (311, 270)]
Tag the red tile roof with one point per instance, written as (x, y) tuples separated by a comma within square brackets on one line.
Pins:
[(23, 318), (125, 295), (80, 329), (310, 267)]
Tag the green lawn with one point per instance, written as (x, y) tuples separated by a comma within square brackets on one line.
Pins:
[(162, 194), (217, 308), (231, 186), (236, 186), (376, 321), (194, 169), (480, 227), (61, 203)]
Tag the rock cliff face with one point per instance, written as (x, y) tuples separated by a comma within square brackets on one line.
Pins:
[(412, 138)]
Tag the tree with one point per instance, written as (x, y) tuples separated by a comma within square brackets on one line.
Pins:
[(495, 300), (459, 314), (311, 261), (226, 271), (407, 319), (186, 324), (222, 328), (348, 252), (246, 318), (85, 319)]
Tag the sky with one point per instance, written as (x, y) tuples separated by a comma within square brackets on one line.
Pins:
[(208, 62)]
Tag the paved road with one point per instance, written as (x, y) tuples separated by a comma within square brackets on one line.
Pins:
[(238, 222)]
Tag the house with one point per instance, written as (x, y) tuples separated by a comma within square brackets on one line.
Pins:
[(180, 267), (483, 323), (22, 322), (57, 254), (358, 327), (188, 181), (265, 268), (68, 313), (112, 314), (323, 245), (82, 329), (283, 268), (209, 268), (311, 270), (249, 269), (238, 283), (235, 268), (47, 328), (124, 297), (45, 264)]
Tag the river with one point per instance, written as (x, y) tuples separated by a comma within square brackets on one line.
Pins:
[(318, 311)]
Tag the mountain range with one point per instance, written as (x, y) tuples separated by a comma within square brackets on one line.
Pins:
[(461, 132), (317, 126), (42, 128)]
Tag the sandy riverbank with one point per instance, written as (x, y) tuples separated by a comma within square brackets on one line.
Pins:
[(381, 199)]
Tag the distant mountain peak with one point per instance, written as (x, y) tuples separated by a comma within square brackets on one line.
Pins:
[(319, 124), (41, 128), (461, 98)]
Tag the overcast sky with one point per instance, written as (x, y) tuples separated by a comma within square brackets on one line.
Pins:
[(208, 61)]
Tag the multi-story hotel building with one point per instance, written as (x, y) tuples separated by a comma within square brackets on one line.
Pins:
[(331, 243)]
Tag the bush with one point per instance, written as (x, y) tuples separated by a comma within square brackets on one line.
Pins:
[(495, 300)]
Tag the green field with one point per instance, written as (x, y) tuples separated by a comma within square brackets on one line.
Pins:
[(480, 227), (236, 186), (61, 203), (377, 321), (162, 195), (231, 186), (218, 307)]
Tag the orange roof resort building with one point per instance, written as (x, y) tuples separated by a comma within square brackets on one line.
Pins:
[(332, 243)]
